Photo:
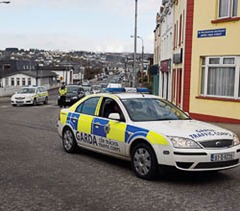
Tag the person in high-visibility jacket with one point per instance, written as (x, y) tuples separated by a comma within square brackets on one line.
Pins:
[(62, 92)]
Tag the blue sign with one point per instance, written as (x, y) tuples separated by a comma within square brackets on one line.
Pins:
[(211, 33)]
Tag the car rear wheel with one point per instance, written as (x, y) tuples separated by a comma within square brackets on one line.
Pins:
[(144, 162), (69, 142)]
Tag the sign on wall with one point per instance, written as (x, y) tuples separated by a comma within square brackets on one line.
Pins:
[(211, 33)]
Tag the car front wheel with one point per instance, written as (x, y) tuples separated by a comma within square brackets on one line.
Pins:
[(46, 101), (35, 102), (69, 142), (144, 162)]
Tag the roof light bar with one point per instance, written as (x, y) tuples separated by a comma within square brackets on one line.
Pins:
[(128, 90)]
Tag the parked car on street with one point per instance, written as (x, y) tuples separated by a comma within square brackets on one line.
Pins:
[(74, 93), (30, 95), (148, 131)]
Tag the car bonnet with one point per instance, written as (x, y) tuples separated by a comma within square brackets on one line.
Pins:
[(192, 129)]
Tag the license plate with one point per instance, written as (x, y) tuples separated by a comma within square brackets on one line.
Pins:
[(67, 100), (222, 156), (20, 102)]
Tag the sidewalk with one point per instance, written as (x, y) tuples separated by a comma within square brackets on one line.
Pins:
[(5, 99)]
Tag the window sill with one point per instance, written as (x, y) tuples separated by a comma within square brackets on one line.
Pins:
[(218, 99), (222, 20)]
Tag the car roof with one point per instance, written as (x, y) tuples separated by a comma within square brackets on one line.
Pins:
[(125, 95)]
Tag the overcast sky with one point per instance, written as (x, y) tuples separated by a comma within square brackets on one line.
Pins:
[(65, 25)]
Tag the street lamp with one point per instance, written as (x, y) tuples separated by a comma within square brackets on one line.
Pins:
[(5, 2), (142, 55)]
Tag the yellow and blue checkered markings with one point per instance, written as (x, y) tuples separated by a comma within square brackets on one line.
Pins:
[(72, 119), (111, 129), (98, 126), (132, 132), (85, 123), (117, 131)]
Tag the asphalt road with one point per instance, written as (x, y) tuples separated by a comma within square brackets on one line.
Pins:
[(37, 174)]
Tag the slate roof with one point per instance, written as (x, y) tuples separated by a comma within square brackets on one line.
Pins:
[(34, 74)]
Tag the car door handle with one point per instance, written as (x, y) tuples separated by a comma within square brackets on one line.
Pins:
[(74, 119), (97, 125)]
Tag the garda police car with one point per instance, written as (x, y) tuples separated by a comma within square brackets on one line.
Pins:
[(30, 95), (147, 130)]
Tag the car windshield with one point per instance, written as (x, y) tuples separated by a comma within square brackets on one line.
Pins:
[(72, 89), (152, 109), (26, 90)]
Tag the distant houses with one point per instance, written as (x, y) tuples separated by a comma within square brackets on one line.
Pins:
[(17, 73)]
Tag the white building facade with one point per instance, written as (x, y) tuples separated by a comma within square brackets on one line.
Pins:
[(166, 47)]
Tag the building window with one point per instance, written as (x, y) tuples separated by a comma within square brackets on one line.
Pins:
[(23, 81), (18, 81), (6, 81), (218, 77), (227, 8), (29, 81), (12, 81), (180, 31)]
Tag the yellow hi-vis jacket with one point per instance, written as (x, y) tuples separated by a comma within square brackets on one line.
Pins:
[(62, 91)]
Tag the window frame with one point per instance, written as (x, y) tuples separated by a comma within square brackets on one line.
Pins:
[(23, 81), (205, 67), (12, 81), (230, 12), (80, 107)]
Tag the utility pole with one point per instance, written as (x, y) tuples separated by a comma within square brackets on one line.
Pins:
[(135, 46)]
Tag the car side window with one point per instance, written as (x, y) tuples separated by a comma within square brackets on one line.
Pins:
[(110, 106), (88, 106), (43, 89)]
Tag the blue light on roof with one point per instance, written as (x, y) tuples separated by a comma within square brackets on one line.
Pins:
[(114, 90), (143, 90), (128, 89)]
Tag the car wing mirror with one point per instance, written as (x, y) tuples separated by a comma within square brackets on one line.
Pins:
[(115, 116)]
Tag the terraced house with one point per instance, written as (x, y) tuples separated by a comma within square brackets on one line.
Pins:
[(205, 63)]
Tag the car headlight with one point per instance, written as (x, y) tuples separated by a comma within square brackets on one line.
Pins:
[(180, 142), (236, 140), (74, 97)]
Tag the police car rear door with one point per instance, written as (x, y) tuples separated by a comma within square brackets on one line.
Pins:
[(85, 114)]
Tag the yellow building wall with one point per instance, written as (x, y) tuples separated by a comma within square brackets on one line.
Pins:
[(204, 12)]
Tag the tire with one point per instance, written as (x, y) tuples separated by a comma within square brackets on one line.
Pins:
[(14, 105), (69, 141), (46, 101), (35, 102), (144, 161)]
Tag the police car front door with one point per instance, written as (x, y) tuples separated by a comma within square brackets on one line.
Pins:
[(110, 133)]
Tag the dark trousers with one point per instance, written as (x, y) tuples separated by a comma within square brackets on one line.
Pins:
[(63, 101)]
